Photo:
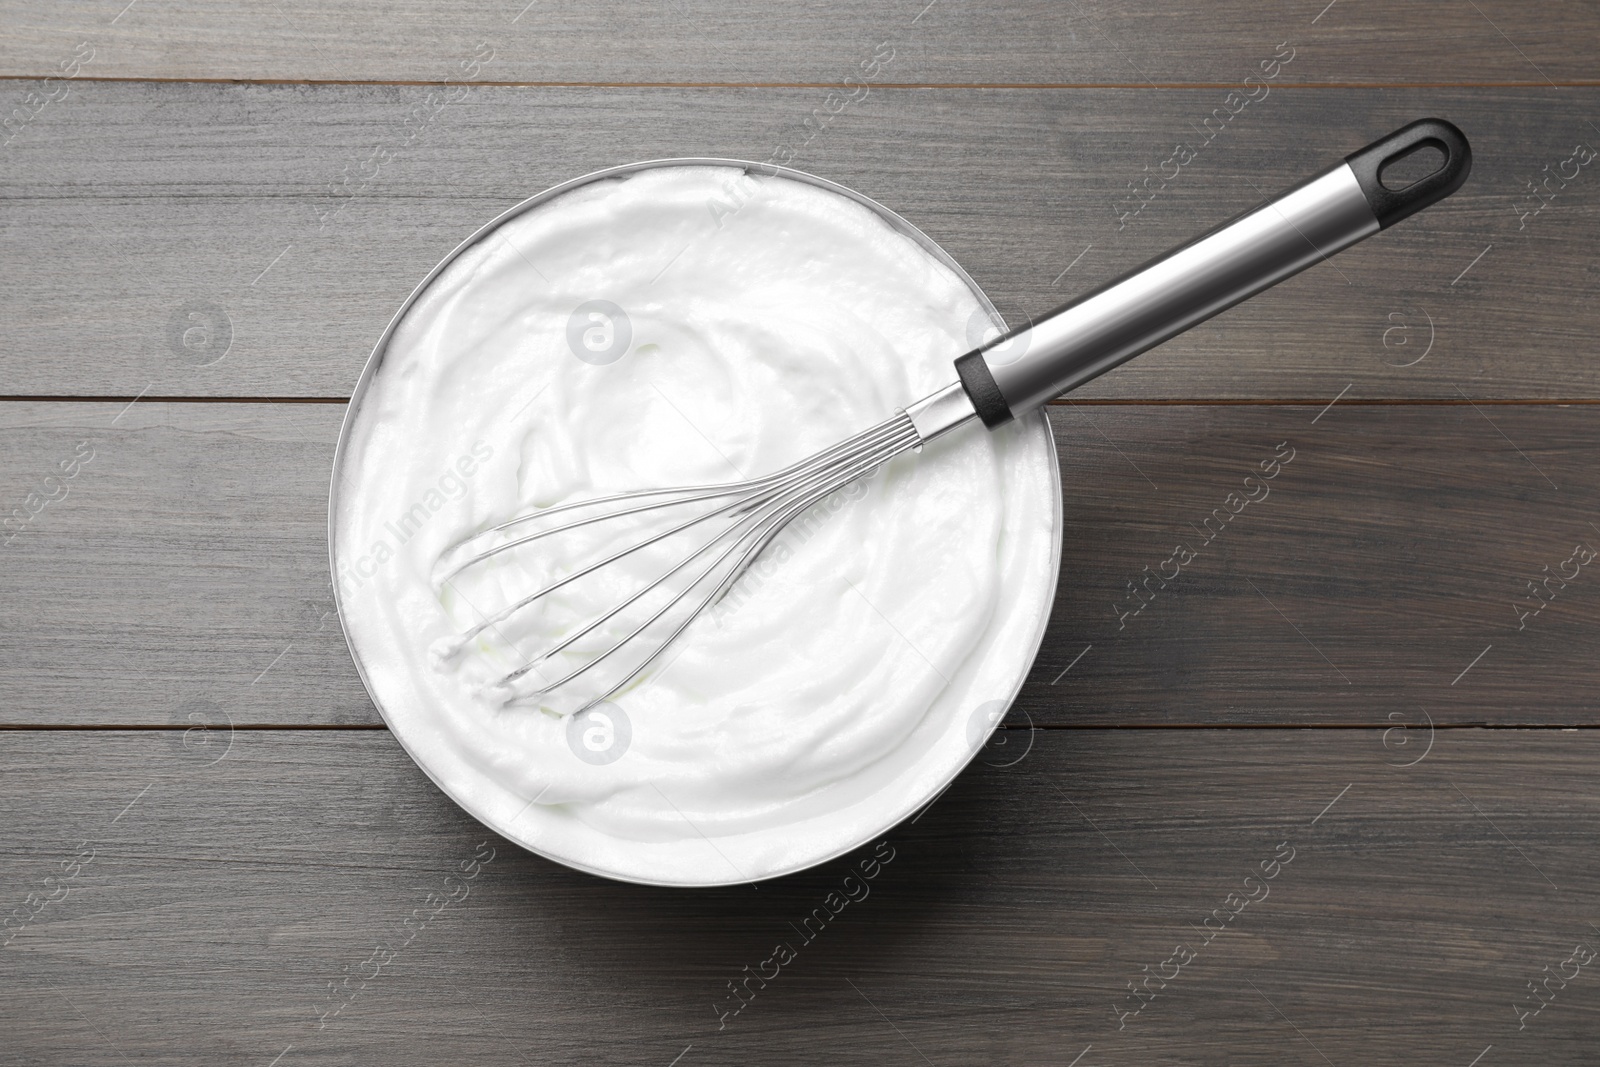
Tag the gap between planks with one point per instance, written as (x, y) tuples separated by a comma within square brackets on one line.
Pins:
[(1579, 83)]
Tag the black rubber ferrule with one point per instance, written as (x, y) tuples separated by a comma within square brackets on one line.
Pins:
[(1389, 206), (982, 390)]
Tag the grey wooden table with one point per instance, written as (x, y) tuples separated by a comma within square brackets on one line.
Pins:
[(1378, 686)]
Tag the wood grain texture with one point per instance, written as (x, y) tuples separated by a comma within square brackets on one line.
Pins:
[(1369, 574), (185, 566), (226, 895), (187, 563), (128, 206), (774, 42)]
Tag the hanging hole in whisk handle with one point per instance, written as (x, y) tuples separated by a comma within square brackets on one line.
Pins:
[(1388, 157)]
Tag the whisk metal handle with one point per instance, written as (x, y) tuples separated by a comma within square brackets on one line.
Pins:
[(1108, 326)]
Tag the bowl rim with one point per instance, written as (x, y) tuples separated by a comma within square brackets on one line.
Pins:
[(374, 362)]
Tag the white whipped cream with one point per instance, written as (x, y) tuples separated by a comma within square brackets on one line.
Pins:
[(845, 679)]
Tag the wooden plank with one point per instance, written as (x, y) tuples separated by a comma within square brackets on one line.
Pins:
[(225, 897), (187, 563), (185, 567), (1367, 577), (128, 206), (772, 42)]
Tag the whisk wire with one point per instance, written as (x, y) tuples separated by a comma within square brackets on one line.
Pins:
[(759, 536), (762, 508), (708, 491), (767, 517)]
